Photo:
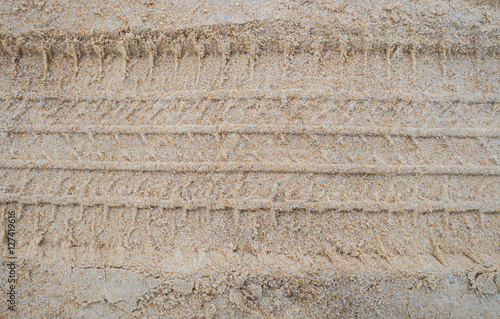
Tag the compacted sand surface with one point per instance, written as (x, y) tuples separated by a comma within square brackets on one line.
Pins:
[(250, 159)]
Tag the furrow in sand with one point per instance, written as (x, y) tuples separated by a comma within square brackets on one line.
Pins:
[(340, 94), (251, 204), (272, 167), (257, 129)]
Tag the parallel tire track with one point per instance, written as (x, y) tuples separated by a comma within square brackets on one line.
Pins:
[(253, 147)]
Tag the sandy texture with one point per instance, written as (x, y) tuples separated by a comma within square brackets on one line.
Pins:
[(251, 159)]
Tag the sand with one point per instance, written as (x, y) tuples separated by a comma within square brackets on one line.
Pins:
[(250, 159)]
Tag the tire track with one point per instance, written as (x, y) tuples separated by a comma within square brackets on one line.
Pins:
[(464, 151), (329, 232), (267, 186), (341, 162), (257, 108)]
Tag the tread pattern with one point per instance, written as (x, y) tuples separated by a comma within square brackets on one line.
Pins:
[(472, 154), (145, 60), (217, 187), (145, 144), (168, 229), (282, 107)]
